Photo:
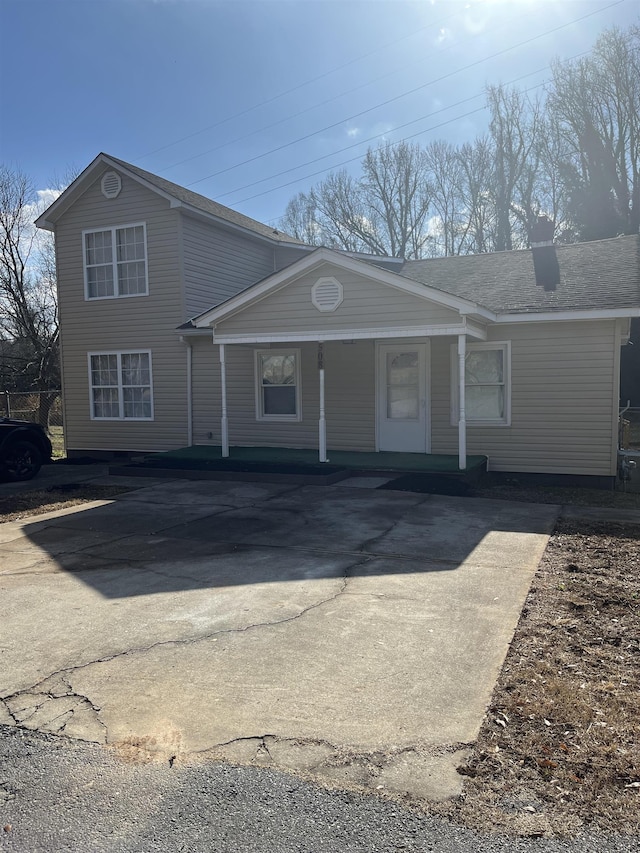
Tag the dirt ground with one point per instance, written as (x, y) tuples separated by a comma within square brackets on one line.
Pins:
[(37, 502), (559, 748)]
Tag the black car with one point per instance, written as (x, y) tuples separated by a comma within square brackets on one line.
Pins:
[(24, 447)]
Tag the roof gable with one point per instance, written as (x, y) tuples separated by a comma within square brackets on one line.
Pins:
[(339, 263), (176, 195)]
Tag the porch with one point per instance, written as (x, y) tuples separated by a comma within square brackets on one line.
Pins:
[(299, 465)]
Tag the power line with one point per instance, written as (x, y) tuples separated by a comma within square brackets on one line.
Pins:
[(405, 94), (397, 142), (380, 135), (353, 159), (300, 112), (288, 92)]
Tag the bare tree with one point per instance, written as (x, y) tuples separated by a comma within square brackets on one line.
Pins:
[(595, 103), (449, 215), (385, 211), (28, 309), (344, 216), (475, 177), (397, 194), (514, 128), (300, 220)]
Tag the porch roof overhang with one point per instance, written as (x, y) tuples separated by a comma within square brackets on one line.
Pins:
[(465, 327)]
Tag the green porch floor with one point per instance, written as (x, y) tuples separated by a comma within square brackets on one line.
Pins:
[(205, 456)]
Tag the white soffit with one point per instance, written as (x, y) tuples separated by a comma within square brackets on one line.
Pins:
[(327, 293)]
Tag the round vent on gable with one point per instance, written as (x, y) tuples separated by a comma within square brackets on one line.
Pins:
[(111, 184), (327, 294)]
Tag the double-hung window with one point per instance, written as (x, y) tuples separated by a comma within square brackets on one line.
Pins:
[(278, 385), (121, 386), (115, 262), (487, 384)]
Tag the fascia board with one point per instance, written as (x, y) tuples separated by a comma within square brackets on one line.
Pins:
[(574, 314)]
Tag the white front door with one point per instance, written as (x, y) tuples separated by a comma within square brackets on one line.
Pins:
[(402, 398)]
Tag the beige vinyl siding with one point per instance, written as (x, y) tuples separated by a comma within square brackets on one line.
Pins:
[(349, 398), (562, 399), (132, 323), (367, 304), (219, 263)]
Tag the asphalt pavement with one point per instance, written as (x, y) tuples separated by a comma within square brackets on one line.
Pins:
[(62, 796)]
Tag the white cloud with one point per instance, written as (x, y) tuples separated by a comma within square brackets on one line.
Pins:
[(48, 196), (352, 132)]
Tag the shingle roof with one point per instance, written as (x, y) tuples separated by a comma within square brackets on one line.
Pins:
[(601, 274), (207, 205)]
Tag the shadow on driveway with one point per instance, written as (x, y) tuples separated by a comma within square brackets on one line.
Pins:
[(183, 535)]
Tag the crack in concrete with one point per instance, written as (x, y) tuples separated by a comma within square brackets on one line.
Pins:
[(23, 715), (369, 542), (4, 705), (64, 673), (320, 756)]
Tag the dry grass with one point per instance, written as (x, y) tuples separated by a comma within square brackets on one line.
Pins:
[(559, 748), (25, 504), (56, 434)]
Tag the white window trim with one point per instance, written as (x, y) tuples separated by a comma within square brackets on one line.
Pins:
[(505, 346), (114, 261), (120, 353), (260, 416)]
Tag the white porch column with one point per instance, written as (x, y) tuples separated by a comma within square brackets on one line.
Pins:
[(187, 344), (224, 422), (322, 424), (462, 417)]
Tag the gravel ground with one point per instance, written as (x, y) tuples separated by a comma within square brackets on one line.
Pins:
[(58, 795)]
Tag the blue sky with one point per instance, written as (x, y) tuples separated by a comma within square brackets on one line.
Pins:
[(200, 91)]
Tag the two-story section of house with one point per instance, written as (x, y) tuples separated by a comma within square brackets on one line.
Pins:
[(184, 322), (136, 257)]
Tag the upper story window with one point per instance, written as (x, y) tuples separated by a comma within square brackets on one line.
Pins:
[(487, 384), (115, 262)]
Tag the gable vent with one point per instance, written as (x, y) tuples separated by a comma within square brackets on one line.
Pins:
[(327, 294), (111, 184)]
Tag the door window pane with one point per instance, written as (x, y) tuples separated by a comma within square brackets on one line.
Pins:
[(402, 368), (403, 391), (402, 402)]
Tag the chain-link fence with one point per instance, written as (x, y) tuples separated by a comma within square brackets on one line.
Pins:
[(630, 429), (43, 407)]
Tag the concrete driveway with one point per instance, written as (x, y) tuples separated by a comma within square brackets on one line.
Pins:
[(344, 633)]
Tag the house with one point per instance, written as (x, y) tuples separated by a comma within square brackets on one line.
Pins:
[(184, 322)]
